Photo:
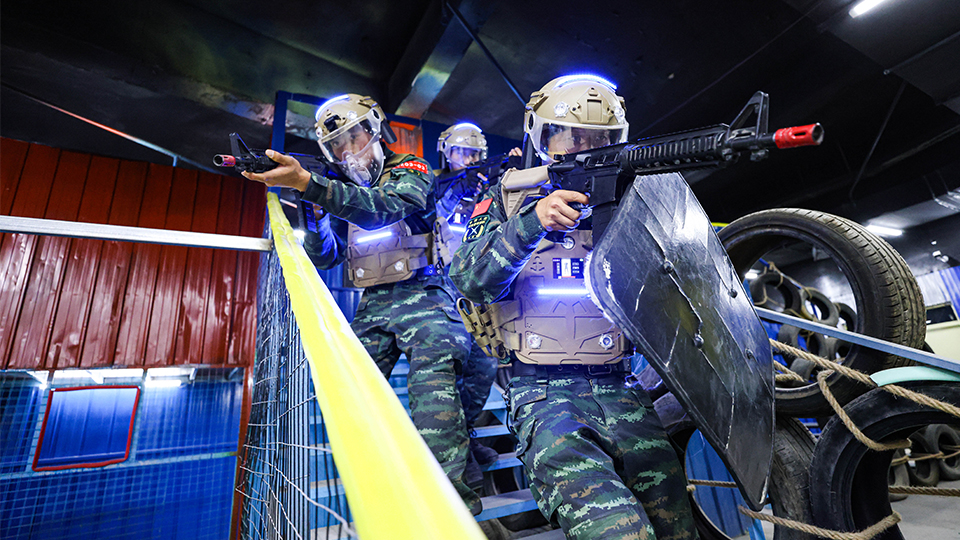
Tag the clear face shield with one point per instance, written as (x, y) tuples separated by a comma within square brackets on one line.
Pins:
[(356, 148), (553, 139), (465, 156)]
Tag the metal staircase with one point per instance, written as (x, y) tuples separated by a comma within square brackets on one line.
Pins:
[(494, 506), (326, 489)]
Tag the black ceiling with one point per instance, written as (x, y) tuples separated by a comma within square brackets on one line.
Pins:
[(181, 74)]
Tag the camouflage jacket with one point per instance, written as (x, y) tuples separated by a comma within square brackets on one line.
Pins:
[(494, 248), (404, 191)]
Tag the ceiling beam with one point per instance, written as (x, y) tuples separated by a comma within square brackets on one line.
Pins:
[(435, 50)]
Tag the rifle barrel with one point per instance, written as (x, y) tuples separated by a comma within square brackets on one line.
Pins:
[(223, 160)]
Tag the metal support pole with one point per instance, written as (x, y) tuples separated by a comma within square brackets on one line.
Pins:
[(860, 339), (76, 229)]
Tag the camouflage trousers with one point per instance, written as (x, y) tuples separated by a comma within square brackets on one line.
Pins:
[(418, 318), (598, 460), (479, 372)]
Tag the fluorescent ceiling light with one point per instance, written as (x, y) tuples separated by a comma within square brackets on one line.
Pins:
[(864, 6), (70, 374), (884, 231), (752, 274), (162, 383), (129, 373), (166, 372), (40, 376)]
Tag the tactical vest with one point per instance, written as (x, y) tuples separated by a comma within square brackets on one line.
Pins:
[(551, 318), (393, 253), (458, 222)]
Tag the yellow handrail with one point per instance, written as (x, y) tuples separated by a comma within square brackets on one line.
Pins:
[(395, 487)]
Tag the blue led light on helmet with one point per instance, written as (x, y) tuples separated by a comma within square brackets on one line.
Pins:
[(466, 125), (567, 79), (326, 103)]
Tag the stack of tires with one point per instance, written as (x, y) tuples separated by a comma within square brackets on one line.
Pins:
[(835, 482)]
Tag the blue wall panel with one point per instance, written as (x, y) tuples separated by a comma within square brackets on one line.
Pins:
[(86, 426), (940, 287), (18, 412), (177, 483), (201, 417)]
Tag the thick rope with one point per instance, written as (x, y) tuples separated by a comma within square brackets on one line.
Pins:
[(712, 483), (786, 374), (845, 418), (912, 490), (865, 534), (922, 457), (865, 379)]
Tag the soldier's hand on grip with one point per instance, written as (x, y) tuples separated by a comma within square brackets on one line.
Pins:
[(288, 174), (555, 212)]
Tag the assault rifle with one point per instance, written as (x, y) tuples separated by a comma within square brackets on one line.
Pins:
[(466, 178), (243, 159), (604, 174)]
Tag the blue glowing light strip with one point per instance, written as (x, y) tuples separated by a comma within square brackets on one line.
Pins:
[(467, 124), (581, 291), (584, 77), (344, 97), (374, 236)]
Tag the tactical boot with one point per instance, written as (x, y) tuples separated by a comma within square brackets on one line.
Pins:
[(484, 455), (472, 475)]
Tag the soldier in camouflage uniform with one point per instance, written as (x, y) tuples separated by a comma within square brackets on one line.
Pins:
[(383, 222), (458, 147), (598, 460)]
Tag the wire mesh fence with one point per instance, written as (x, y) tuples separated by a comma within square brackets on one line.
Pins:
[(289, 482), (177, 463)]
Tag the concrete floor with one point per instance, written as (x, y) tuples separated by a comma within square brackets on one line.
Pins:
[(925, 517), (930, 518)]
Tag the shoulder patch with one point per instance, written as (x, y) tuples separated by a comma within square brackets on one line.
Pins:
[(415, 165), (481, 207), (476, 226)]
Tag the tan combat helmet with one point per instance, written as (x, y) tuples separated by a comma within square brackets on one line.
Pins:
[(461, 145), (349, 130), (575, 113)]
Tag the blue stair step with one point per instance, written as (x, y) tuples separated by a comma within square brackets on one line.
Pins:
[(506, 461), (490, 431), (334, 532), (325, 489), (507, 504), (495, 401)]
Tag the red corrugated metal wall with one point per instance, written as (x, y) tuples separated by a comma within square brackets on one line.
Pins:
[(90, 303)]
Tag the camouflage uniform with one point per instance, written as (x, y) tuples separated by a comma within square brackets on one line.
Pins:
[(480, 370), (416, 317), (599, 462)]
